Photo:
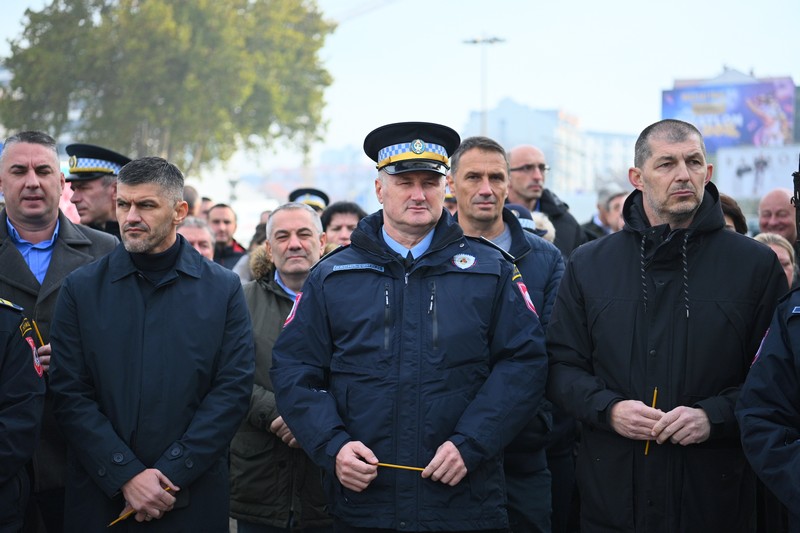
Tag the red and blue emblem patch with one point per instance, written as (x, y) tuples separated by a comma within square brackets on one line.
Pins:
[(294, 309), (37, 364)]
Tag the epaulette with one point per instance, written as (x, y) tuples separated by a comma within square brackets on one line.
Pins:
[(6, 303), (486, 241)]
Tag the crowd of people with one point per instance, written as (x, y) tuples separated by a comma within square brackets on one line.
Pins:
[(468, 358)]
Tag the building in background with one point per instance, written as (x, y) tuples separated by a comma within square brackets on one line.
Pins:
[(750, 126), (735, 109)]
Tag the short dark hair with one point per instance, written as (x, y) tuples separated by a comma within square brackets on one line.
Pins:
[(673, 131), (154, 170), (482, 143), (731, 208), (30, 137), (339, 208)]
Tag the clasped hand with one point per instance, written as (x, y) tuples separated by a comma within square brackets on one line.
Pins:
[(357, 466), (145, 494), (683, 425)]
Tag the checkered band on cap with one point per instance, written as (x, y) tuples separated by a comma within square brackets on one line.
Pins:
[(405, 148), (86, 164)]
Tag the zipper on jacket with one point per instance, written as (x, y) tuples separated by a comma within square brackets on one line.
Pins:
[(386, 318), (434, 321)]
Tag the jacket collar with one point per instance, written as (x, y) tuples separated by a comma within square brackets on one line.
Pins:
[(708, 217), (551, 205), (367, 235), (189, 262)]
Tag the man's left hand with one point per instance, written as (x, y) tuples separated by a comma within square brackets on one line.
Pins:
[(447, 466), (683, 425)]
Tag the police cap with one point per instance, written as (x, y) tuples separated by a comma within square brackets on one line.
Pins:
[(313, 197), (412, 146), (89, 162)]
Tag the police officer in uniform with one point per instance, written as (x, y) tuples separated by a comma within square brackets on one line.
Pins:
[(309, 196), (93, 177), (21, 403), (416, 347), (768, 411)]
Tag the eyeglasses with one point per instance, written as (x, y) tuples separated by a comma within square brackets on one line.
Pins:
[(530, 168)]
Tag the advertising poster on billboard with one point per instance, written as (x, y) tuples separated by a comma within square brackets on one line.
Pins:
[(750, 172), (754, 114)]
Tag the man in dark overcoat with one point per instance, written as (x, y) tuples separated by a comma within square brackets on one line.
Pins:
[(154, 370)]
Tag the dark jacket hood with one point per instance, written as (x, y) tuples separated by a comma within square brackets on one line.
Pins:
[(662, 244), (709, 216)]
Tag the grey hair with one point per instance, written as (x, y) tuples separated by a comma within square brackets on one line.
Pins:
[(291, 206), (194, 222)]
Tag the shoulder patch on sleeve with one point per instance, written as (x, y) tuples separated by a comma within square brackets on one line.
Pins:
[(37, 364), (294, 309), (760, 347), (524, 290), (25, 327)]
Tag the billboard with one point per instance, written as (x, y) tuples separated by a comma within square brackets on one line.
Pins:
[(752, 114), (750, 172)]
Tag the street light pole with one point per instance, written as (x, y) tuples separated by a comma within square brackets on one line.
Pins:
[(483, 41)]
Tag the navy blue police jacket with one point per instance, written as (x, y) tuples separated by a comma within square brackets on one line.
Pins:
[(404, 359), (21, 403), (768, 408)]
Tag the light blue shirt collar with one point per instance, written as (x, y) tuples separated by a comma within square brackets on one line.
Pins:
[(420, 248), (283, 286), (37, 256), (15, 236)]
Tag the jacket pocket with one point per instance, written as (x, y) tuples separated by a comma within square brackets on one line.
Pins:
[(255, 464)]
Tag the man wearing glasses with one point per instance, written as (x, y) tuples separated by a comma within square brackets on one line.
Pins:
[(528, 169)]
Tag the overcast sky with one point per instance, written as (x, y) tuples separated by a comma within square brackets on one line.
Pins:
[(603, 62)]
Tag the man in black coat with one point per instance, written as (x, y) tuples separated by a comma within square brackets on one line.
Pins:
[(650, 340), (154, 369)]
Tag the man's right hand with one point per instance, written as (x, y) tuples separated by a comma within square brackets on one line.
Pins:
[(146, 495), (44, 352), (633, 419), (352, 470), (279, 428)]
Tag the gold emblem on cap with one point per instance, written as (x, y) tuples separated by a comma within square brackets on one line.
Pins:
[(418, 146), (73, 161)]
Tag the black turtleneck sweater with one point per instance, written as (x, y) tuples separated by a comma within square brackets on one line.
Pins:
[(154, 267)]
